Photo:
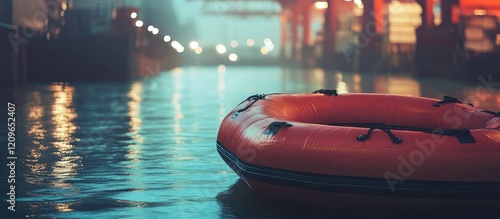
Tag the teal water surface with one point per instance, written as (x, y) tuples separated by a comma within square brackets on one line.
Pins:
[(146, 148)]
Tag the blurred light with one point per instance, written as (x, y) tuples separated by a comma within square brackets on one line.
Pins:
[(480, 12), (220, 48), (64, 6), (167, 38), (221, 82), (63, 207), (250, 42), (221, 68), (401, 85), (233, 57), (264, 50), (321, 5), (139, 23), (155, 31), (151, 28), (198, 50), (133, 15), (269, 44), (359, 3), (356, 78), (341, 85), (193, 45), (234, 43), (176, 44)]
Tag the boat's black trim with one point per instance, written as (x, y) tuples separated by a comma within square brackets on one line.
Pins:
[(496, 114), (359, 185), (463, 135)]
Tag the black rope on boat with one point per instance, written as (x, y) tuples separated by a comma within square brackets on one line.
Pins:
[(490, 112), (274, 127), (327, 92), (447, 99), (394, 139), (463, 135), (252, 98)]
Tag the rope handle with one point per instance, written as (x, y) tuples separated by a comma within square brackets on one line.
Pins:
[(394, 139), (253, 98)]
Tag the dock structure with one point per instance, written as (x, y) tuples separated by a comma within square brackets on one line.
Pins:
[(13, 55), (77, 41)]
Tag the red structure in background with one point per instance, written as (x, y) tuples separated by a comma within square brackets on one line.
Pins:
[(466, 43), (297, 14), (439, 49), (492, 6)]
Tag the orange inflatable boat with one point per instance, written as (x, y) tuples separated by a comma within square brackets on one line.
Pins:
[(372, 144)]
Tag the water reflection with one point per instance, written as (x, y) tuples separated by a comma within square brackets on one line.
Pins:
[(402, 85), (221, 82), (134, 107), (239, 201), (178, 116), (356, 83), (483, 97), (221, 87), (37, 133), (62, 129), (63, 115), (341, 85), (63, 207)]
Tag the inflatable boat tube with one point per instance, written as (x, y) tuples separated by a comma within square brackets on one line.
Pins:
[(372, 144)]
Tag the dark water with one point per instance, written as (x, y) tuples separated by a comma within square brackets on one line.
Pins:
[(147, 148)]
